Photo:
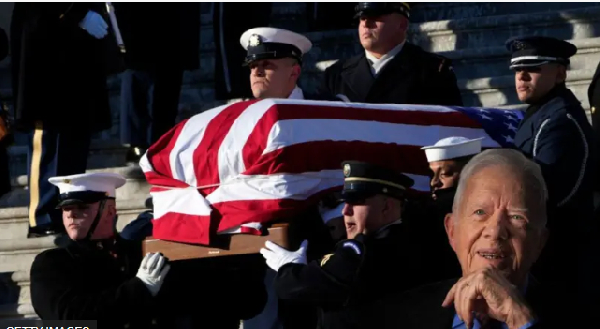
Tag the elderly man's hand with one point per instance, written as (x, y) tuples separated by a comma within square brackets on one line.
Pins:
[(487, 292)]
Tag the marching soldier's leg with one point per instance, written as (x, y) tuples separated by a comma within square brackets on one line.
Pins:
[(42, 159)]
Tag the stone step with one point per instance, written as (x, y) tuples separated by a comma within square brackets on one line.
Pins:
[(495, 91), (486, 57), (494, 61), (473, 32), (103, 153), (15, 287), (17, 311), (18, 254), (578, 23), (435, 11)]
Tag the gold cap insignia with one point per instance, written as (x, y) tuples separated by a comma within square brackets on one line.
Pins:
[(593, 109), (254, 40), (67, 181), (346, 170)]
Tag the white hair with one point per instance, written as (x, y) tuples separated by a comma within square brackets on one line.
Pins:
[(529, 171)]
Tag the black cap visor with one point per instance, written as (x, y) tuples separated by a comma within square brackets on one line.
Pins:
[(83, 197), (355, 192)]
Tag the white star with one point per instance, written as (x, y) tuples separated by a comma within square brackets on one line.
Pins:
[(512, 118), (484, 111), (511, 127), (508, 139), (485, 117)]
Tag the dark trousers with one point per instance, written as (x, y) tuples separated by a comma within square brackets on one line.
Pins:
[(52, 153), (149, 105)]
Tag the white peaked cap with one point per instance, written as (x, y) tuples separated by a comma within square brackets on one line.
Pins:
[(90, 182), (260, 35), (452, 148)]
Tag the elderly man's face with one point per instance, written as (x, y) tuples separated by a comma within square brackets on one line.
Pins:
[(369, 215), (79, 218), (497, 224), (533, 83), (273, 78)]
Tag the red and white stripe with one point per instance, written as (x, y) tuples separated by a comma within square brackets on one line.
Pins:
[(238, 165)]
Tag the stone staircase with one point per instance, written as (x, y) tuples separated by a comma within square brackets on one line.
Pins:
[(471, 34)]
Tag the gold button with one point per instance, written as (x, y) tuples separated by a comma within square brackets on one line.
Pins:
[(153, 321), (126, 325), (122, 268), (593, 109)]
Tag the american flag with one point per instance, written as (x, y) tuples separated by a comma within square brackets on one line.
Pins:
[(230, 168)]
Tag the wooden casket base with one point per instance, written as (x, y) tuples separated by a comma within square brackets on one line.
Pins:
[(233, 244)]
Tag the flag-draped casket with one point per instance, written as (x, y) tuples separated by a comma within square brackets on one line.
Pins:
[(233, 167)]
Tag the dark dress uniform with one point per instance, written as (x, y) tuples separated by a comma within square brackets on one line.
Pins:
[(60, 95), (424, 218), (7, 139), (91, 280), (594, 99), (413, 76), (345, 284), (557, 135), (156, 55)]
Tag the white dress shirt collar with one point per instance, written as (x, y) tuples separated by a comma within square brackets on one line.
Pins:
[(377, 64), (296, 94)]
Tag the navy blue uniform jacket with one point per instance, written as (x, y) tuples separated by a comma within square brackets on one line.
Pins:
[(557, 135)]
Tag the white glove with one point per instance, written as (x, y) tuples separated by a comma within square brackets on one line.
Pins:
[(94, 24), (277, 256), (153, 271)]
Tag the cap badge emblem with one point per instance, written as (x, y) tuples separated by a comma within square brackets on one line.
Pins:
[(518, 45), (254, 40), (67, 181), (346, 170)]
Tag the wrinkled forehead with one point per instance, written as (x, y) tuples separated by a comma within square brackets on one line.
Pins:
[(502, 185)]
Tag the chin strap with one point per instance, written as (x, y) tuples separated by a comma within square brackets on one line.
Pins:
[(96, 220)]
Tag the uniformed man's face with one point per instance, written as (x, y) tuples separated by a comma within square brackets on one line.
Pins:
[(382, 33), (533, 83), (79, 218), (369, 215), (444, 174), (273, 78), (497, 224)]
